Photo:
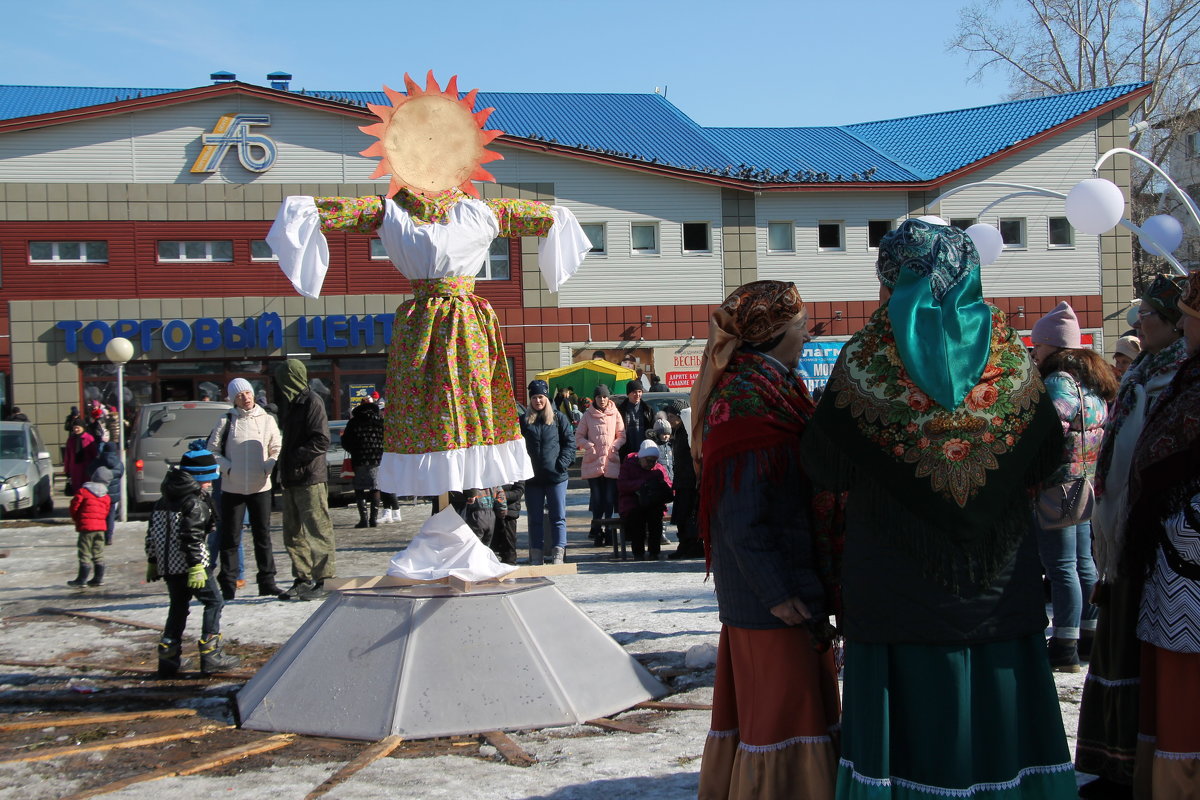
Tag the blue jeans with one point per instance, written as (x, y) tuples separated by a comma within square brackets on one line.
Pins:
[(1067, 558), (554, 499), (603, 501)]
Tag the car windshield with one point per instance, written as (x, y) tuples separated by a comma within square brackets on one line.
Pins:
[(13, 445), (182, 423)]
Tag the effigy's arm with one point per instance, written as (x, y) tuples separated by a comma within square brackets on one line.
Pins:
[(298, 240)]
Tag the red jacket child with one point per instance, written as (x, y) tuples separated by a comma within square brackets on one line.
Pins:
[(89, 506)]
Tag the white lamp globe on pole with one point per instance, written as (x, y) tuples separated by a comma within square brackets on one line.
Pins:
[(119, 351)]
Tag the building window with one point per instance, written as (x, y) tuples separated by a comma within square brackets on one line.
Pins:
[(781, 237), (643, 238), (377, 250), (1192, 144), (496, 267), (876, 229), (595, 233), (829, 236), (696, 237), (1012, 232), (1061, 232), (70, 252), (261, 251), (221, 250), (962, 223)]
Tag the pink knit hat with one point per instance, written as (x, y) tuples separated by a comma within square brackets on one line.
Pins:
[(1059, 328)]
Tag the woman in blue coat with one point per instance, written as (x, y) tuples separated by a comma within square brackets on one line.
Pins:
[(551, 445)]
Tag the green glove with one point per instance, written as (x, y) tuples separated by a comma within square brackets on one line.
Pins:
[(151, 572), (197, 577)]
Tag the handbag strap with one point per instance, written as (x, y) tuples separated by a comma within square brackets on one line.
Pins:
[(1082, 417)]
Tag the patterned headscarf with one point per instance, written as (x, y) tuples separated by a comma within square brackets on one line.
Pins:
[(754, 313), (1190, 302), (1163, 296), (941, 324)]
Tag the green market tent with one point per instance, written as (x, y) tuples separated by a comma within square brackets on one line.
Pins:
[(585, 376)]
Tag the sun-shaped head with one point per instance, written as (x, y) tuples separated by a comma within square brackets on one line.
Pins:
[(430, 140)]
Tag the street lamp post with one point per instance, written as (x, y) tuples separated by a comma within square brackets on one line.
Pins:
[(119, 351)]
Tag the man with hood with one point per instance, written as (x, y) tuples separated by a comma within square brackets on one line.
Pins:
[(307, 528)]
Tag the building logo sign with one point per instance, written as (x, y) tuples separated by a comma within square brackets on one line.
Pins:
[(254, 151)]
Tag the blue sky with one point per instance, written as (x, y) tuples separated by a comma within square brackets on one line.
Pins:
[(732, 63)]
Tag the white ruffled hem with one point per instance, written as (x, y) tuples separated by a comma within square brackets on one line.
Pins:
[(478, 467)]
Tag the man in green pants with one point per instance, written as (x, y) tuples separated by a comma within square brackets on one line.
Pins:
[(307, 528)]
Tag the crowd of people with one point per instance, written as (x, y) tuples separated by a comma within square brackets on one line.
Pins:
[(944, 471)]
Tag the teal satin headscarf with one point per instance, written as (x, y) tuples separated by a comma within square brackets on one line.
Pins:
[(941, 323)]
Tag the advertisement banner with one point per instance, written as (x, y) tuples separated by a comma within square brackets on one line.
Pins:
[(678, 366), (359, 392), (816, 362)]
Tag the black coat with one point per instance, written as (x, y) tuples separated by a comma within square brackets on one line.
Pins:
[(305, 429), (363, 437), (109, 457), (176, 545), (551, 449), (633, 442)]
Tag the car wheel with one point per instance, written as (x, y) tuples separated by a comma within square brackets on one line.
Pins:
[(47, 506)]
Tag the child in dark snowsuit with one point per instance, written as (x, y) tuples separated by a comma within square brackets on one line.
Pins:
[(89, 509), (177, 551)]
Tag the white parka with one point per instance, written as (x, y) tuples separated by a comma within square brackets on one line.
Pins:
[(250, 451)]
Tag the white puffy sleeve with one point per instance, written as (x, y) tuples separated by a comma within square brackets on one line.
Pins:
[(297, 240), (563, 249)]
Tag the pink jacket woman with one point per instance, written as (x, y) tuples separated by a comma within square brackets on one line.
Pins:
[(599, 437)]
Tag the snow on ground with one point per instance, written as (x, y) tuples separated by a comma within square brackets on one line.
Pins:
[(657, 611)]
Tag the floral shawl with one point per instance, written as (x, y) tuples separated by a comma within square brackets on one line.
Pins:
[(962, 473), (757, 407)]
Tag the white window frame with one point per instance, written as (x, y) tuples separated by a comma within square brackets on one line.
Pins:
[(603, 226), (707, 237), (791, 229), (892, 226), (1070, 245), (55, 258), (253, 257), (1023, 244), (382, 254), (208, 249), (487, 271), (841, 226), (645, 252)]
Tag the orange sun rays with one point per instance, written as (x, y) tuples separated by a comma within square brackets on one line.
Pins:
[(429, 140)]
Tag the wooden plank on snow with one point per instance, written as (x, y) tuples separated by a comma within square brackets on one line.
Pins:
[(118, 744), (380, 749), (512, 752), (67, 612), (96, 719), (618, 725)]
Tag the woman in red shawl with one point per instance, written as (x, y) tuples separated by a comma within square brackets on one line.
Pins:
[(775, 702)]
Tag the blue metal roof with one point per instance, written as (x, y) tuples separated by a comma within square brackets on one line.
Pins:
[(647, 128), (935, 144)]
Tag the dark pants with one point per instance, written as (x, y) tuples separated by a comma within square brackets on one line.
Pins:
[(389, 501), (504, 541), (113, 508), (233, 509), (181, 598), (603, 499), (643, 531)]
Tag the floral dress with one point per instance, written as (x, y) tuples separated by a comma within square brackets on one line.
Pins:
[(452, 418)]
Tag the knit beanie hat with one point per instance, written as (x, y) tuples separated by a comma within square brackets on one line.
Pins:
[(648, 448), (539, 387), (1128, 346), (1059, 328), (102, 475), (239, 385), (602, 390), (199, 462), (633, 385)]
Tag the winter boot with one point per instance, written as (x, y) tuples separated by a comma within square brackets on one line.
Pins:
[(1086, 638), (81, 579), (536, 558), (595, 534), (98, 578), (298, 590), (212, 659), (1064, 654), (362, 513), (267, 587), (385, 517), (373, 519), (169, 657), (558, 555)]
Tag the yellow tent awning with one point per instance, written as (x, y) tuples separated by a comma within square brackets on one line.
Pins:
[(584, 376)]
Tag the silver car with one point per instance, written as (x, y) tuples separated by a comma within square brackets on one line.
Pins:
[(161, 434), (26, 474)]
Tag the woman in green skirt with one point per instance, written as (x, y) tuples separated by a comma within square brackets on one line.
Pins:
[(936, 424)]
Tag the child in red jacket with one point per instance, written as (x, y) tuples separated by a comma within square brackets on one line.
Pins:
[(89, 509)]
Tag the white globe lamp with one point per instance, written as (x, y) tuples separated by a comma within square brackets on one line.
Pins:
[(1095, 206), (988, 242), (119, 351), (1161, 234)]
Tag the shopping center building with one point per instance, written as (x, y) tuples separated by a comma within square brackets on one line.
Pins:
[(143, 212)]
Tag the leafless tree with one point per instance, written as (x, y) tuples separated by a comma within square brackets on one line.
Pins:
[(1055, 46)]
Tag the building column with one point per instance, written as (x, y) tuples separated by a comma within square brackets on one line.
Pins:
[(739, 236)]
